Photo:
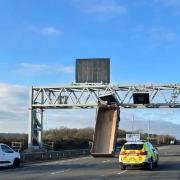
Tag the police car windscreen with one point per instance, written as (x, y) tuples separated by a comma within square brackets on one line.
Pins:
[(133, 146)]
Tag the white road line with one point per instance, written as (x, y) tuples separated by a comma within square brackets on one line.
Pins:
[(122, 172), (59, 172), (114, 173), (105, 161), (109, 174), (56, 162), (71, 160), (45, 164), (163, 147)]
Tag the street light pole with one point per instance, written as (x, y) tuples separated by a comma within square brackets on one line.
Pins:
[(133, 124), (148, 129)]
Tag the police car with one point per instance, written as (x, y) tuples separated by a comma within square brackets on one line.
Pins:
[(8, 157), (138, 153)]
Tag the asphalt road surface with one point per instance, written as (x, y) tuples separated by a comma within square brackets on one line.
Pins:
[(89, 168)]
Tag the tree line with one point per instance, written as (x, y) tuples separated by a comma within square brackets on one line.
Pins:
[(66, 138)]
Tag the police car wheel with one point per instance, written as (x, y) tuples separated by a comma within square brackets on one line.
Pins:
[(123, 167)]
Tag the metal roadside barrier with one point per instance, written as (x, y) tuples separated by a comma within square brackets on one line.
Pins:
[(53, 155), (49, 146), (17, 146)]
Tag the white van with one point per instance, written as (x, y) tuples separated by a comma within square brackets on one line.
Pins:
[(8, 157)]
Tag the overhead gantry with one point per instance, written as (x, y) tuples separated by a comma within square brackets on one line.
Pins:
[(87, 96)]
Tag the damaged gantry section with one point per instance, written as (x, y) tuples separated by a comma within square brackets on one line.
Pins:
[(106, 128)]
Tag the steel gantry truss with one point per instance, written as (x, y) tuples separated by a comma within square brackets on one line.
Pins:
[(87, 96)]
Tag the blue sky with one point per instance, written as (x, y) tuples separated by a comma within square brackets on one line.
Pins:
[(141, 37), (40, 40)]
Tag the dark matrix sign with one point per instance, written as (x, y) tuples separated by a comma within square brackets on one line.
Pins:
[(94, 70)]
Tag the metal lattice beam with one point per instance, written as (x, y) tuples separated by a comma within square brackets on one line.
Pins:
[(86, 95)]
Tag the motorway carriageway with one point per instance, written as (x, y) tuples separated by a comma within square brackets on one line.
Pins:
[(89, 168)]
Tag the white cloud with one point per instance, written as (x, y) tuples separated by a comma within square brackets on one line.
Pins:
[(162, 34), (46, 31), (168, 3), (9, 90), (107, 8), (50, 31), (13, 108), (173, 5), (14, 112), (157, 34), (36, 69), (71, 118), (160, 122)]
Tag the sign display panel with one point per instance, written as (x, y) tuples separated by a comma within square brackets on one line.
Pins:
[(132, 137), (141, 98), (95, 70)]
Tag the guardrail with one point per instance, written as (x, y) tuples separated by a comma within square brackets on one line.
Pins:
[(17, 146), (53, 155)]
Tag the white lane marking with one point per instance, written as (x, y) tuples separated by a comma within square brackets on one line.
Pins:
[(108, 174), (59, 172), (45, 164), (71, 160), (122, 172), (26, 166), (56, 162), (105, 161), (163, 147), (114, 173), (90, 157)]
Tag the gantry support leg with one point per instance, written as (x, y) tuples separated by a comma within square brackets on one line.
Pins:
[(35, 125)]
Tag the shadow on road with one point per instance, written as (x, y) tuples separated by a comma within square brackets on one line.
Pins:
[(168, 167), (5, 168)]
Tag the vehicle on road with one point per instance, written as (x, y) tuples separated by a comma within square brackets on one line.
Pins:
[(141, 154), (8, 157), (172, 142)]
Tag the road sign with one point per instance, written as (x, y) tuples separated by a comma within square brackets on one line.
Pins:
[(132, 137), (95, 70), (141, 97)]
